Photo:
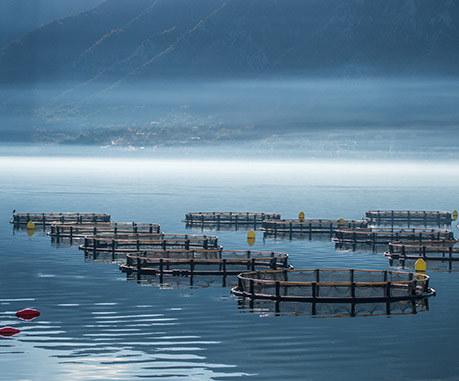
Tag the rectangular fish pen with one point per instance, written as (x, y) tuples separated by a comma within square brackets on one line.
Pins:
[(221, 219), (64, 230), (291, 227), (126, 243), (52, 218), (408, 217), (443, 250), (191, 263), (382, 236)]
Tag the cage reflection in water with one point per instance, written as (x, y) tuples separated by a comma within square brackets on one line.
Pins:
[(194, 263), (266, 307), (182, 282)]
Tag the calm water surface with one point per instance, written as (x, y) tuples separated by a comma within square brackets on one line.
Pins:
[(96, 324)]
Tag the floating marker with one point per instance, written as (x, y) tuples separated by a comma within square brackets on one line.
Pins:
[(420, 266), (28, 314), (455, 215), (250, 234), (301, 216), (8, 331), (250, 237), (341, 221), (30, 228)]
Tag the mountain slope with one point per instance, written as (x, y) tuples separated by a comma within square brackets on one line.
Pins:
[(18, 17), (143, 39)]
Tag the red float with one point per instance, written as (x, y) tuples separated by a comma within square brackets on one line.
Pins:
[(27, 314), (8, 331)]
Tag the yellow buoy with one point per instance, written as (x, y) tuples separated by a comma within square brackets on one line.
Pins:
[(454, 215), (30, 225), (420, 266), (250, 234), (301, 216), (251, 241), (341, 221)]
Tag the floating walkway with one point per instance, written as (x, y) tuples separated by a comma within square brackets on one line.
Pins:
[(407, 217), (52, 218), (332, 286), (202, 262), (443, 250), (293, 227), (383, 236), (64, 230), (126, 243), (222, 219)]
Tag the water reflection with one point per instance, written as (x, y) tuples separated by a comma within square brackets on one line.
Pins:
[(95, 324)]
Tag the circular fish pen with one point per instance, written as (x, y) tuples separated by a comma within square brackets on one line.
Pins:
[(439, 250), (227, 219), (75, 231), (408, 217), (332, 286), (51, 218), (383, 236), (126, 243), (192, 263), (291, 227)]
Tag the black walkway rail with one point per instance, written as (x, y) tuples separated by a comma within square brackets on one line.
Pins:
[(333, 286), (408, 217), (65, 230), (125, 243), (308, 226), (202, 262), (228, 218), (51, 218), (382, 236)]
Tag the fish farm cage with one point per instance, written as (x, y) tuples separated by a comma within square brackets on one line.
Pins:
[(443, 250), (64, 230), (291, 227), (191, 263), (383, 236), (221, 219), (332, 286), (125, 243), (407, 217), (52, 218), (266, 307)]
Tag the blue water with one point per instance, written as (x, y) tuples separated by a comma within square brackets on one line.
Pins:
[(96, 324)]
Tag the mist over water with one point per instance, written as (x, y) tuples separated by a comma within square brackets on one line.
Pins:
[(392, 117)]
